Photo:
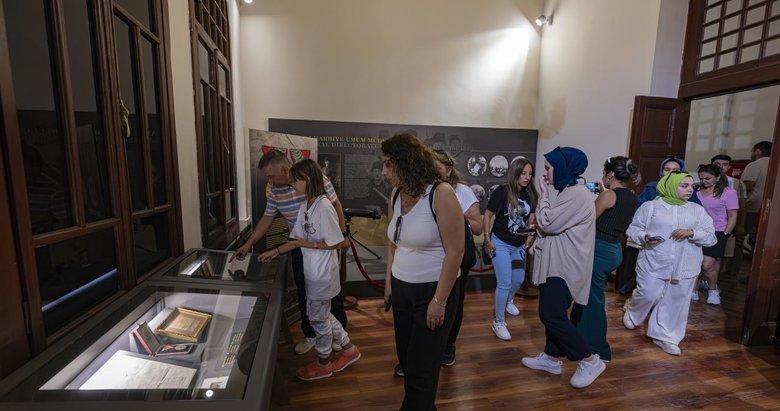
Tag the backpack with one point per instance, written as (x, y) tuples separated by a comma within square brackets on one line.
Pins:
[(469, 249)]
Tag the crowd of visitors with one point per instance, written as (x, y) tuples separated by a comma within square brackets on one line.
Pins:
[(675, 232)]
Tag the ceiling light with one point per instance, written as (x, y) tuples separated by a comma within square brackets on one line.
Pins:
[(542, 20)]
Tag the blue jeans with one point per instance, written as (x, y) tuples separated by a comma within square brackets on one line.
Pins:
[(508, 279)]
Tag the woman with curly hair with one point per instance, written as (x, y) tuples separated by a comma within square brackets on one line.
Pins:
[(423, 261)]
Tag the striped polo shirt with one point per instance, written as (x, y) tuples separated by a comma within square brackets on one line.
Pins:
[(285, 201)]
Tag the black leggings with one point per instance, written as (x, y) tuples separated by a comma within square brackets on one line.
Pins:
[(462, 282), (420, 349)]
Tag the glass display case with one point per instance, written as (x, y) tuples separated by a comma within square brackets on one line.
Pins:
[(215, 266), (170, 343)]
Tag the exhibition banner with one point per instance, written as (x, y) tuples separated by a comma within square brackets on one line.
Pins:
[(295, 147), (350, 155)]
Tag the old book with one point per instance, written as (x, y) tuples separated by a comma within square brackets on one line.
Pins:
[(184, 324)]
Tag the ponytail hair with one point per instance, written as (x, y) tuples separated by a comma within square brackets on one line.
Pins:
[(624, 170)]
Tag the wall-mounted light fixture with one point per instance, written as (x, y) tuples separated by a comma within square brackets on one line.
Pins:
[(248, 1), (542, 20)]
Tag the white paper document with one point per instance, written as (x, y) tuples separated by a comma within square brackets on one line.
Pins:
[(123, 371)]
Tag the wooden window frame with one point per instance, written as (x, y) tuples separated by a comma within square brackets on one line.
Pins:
[(120, 219), (209, 26), (740, 76)]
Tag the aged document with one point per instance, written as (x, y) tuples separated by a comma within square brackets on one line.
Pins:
[(123, 371)]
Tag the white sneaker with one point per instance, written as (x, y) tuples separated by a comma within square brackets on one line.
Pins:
[(713, 297), (543, 362), (669, 348), (305, 345), (695, 295), (627, 322), (501, 332), (512, 309), (587, 372)]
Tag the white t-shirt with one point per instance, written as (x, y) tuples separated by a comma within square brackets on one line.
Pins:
[(319, 223), (756, 171), (465, 196)]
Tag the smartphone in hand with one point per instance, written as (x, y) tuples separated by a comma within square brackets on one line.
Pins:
[(388, 303), (656, 238)]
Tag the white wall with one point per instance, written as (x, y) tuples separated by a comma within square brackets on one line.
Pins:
[(184, 120), (595, 57), (241, 136), (438, 62)]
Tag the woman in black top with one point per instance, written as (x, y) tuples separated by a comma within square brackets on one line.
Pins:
[(512, 205), (615, 208)]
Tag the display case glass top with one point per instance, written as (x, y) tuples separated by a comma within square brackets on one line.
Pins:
[(217, 265), (162, 343)]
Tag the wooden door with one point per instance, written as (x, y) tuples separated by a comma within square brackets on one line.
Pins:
[(762, 305), (659, 129)]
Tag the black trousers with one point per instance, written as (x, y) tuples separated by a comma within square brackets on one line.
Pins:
[(630, 255), (420, 349), (563, 337), (462, 282), (336, 303)]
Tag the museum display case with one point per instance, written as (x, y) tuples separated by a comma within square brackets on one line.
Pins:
[(197, 335), (214, 266)]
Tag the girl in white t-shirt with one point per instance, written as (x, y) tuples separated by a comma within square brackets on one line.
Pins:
[(317, 233)]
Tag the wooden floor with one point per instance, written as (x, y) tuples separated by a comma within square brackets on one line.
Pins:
[(712, 373)]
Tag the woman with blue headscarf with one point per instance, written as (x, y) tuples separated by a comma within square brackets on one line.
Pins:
[(562, 267), (671, 231)]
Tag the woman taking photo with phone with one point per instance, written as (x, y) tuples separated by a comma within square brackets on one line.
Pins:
[(615, 206), (509, 223), (671, 231)]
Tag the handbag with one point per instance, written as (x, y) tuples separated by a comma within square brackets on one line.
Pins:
[(469, 249)]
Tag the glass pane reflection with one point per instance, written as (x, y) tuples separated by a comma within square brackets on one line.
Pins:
[(39, 117), (151, 242), (75, 275), (88, 113), (127, 88), (151, 93)]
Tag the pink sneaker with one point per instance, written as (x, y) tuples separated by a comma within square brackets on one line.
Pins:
[(347, 357), (315, 371)]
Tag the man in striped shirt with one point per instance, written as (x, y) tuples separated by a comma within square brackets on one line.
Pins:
[(282, 199)]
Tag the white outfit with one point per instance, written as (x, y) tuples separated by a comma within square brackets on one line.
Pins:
[(319, 223), (666, 273), (419, 253), (756, 172), (465, 196)]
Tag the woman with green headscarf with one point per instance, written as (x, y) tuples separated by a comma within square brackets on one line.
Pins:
[(672, 232)]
